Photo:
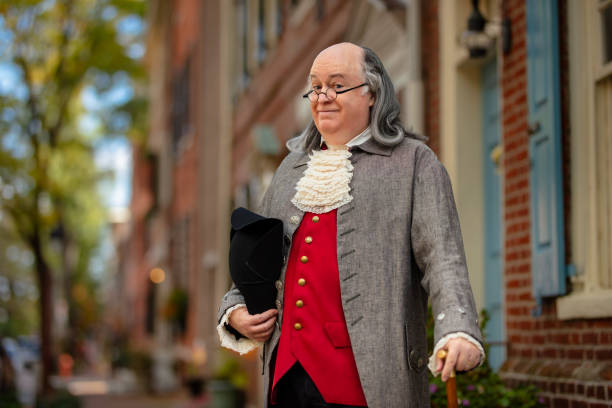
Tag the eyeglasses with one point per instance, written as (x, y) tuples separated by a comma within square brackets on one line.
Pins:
[(331, 93)]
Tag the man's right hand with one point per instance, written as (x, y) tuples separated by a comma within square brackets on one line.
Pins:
[(256, 327)]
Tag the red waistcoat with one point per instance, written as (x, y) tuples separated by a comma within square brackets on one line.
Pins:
[(313, 330)]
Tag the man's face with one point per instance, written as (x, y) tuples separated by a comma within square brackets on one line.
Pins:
[(340, 67)]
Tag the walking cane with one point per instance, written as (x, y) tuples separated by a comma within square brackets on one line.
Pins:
[(451, 384)]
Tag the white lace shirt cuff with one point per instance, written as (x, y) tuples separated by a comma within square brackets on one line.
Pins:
[(229, 341), (442, 343)]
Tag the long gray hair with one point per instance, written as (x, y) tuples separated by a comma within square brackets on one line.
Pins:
[(385, 123)]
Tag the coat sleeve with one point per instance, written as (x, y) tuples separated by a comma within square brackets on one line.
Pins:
[(438, 250), (233, 299)]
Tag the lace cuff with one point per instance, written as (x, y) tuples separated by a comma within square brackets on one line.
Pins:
[(229, 340)]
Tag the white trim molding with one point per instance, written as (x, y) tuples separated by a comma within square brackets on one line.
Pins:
[(582, 305)]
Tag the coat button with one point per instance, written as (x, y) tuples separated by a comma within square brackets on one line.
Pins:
[(299, 303), (304, 259), (315, 218), (295, 219), (278, 304), (416, 361), (297, 326), (308, 240), (301, 281), (278, 284)]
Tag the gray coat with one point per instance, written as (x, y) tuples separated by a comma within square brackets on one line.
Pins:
[(398, 242)]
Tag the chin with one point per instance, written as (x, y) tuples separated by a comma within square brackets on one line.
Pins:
[(327, 127)]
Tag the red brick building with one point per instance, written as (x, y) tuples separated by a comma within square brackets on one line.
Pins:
[(533, 191), (567, 353)]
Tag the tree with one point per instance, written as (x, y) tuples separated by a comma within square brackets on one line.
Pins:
[(59, 53)]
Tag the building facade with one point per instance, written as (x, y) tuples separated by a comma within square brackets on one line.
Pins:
[(529, 158)]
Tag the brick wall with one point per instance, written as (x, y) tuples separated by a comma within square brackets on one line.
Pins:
[(571, 361), (184, 209), (136, 270), (430, 62)]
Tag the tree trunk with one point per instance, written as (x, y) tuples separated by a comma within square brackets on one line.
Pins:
[(45, 285)]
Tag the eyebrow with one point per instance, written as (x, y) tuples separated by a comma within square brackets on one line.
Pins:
[(312, 76)]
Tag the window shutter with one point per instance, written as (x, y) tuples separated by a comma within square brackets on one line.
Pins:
[(547, 240)]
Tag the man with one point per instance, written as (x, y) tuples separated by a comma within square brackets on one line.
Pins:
[(373, 231)]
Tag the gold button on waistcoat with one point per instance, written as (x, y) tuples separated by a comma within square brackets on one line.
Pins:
[(301, 281), (308, 240), (299, 303), (304, 259), (315, 218), (297, 326)]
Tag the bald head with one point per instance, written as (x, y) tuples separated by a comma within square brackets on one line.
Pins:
[(344, 49), (343, 56)]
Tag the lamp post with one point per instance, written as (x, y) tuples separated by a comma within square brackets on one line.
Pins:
[(478, 40)]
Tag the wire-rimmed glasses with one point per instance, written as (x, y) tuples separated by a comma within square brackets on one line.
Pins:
[(331, 93)]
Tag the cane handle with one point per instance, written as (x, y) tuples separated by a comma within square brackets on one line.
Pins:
[(451, 383)]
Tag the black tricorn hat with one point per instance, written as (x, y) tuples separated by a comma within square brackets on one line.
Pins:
[(256, 258)]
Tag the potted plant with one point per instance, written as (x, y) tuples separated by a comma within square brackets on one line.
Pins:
[(175, 310), (228, 385), (194, 372)]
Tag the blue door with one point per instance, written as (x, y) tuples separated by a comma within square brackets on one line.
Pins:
[(492, 194), (547, 241)]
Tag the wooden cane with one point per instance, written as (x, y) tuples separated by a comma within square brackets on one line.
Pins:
[(451, 384)]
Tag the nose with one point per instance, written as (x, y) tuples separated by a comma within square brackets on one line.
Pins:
[(327, 98)]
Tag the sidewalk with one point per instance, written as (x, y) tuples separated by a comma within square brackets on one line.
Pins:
[(140, 401)]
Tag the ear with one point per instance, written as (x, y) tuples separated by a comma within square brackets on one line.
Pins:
[(372, 99)]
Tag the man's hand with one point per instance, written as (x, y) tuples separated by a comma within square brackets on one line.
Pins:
[(462, 356), (256, 327)]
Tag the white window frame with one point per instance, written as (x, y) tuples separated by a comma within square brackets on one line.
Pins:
[(590, 87)]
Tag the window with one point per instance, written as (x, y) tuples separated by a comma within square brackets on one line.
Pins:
[(279, 17), (603, 181), (180, 108), (591, 152), (602, 152), (180, 251), (262, 47), (605, 12)]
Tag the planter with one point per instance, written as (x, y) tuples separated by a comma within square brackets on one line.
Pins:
[(225, 395)]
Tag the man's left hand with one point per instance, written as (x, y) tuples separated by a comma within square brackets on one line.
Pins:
[(462, 356)]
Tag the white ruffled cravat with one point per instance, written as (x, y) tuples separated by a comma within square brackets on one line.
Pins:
[(325, 183)]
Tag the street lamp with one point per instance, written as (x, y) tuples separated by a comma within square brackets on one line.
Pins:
[(477, 40)]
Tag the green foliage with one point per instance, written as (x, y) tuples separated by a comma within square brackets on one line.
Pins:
[(8, 399), (59, 399), (481, 387), (175, 309), (77, 77), (18, 290), (230, 370)]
